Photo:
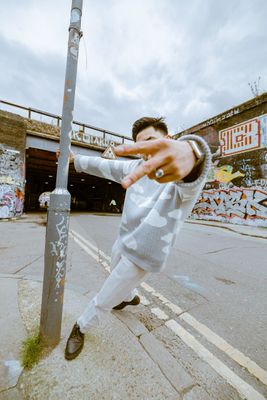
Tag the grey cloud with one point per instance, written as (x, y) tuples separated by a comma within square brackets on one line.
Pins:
[(31, 80), (213, 49)]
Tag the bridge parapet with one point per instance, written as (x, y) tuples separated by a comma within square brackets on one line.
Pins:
[(48, 126)]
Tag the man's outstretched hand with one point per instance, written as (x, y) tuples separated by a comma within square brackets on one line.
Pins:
[(175, 158)]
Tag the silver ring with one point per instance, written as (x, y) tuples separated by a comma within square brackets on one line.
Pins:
[(159, 173)]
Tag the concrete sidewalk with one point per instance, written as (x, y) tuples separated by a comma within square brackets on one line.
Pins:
[(121, 359), (113, 364), (245, 230)]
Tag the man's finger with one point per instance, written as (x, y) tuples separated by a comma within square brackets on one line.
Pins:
[(146, 168), (138, 173), (144, 147)]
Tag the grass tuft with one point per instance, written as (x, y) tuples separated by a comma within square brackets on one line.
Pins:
[(32, 351)]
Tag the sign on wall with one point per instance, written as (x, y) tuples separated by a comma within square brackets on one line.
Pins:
[(90, 139), (247, 136)]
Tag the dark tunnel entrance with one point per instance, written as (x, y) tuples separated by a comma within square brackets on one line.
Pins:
[(88, 193)]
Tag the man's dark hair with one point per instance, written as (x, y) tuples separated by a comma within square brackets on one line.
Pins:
[(145, 122)]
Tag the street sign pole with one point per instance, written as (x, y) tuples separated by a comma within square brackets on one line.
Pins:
[(59, 209)]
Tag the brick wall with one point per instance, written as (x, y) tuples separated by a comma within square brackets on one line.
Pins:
[(12, 131)]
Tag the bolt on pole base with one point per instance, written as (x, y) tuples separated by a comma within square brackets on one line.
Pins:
[(55, 266)]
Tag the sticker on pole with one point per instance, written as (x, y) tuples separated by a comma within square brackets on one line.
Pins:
[(109, 153), (75, 16)]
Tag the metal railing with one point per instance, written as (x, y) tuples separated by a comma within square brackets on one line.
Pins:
[(82, 127)]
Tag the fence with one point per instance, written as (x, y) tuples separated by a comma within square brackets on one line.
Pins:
[(55, 120)]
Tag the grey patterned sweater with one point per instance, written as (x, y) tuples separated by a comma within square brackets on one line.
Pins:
[(153, 213)]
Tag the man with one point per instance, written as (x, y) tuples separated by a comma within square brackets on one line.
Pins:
[(161, 191)]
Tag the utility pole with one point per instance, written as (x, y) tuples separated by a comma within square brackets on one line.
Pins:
[(59, 209)]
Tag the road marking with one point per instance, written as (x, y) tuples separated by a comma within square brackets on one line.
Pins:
[(83, 243), (159, 313), (211, 336), (244, 389), (224, 346), (85, 248), (92, 246), (144, 300)]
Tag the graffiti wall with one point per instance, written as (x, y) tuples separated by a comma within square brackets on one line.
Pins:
[(12, 178), (236, 189)]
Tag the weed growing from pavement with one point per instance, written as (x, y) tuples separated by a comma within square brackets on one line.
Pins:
[(32, 351)]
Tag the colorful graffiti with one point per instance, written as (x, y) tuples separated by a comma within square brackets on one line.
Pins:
[(233, 205), (11, 183), (248, 135), (236, 188), (223, 174)]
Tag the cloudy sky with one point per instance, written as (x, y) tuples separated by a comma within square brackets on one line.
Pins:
[(185, 60)]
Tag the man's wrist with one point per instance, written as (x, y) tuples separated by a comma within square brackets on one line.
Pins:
[(198, 152), (199, 157)]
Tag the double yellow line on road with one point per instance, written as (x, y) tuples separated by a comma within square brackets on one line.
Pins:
[(245, 390)]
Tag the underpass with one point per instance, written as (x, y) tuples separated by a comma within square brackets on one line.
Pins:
[(88, 193), (30, 140)]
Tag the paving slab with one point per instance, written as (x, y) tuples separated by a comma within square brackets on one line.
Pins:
[(12, 330), (197, 393), (112, 365), (176, 374), (132, 323), (11, 394)]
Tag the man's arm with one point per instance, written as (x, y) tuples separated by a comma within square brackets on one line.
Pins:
[(192, 184), (114, 170), (175, 157)]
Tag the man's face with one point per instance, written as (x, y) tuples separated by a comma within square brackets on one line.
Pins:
[(149, 133)]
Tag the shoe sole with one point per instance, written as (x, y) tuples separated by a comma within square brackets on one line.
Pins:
[(134, 302), (72, 356)]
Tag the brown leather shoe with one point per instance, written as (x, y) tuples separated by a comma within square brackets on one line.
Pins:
[(75, 343), (134, 302)]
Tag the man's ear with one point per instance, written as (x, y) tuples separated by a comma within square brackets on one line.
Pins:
[(168, 136)]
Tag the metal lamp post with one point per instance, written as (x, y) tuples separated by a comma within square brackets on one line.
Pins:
[(60, 199)]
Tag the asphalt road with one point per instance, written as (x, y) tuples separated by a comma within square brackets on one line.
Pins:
[(214, 292)]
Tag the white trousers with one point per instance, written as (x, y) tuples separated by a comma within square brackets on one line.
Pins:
[(119, 286)]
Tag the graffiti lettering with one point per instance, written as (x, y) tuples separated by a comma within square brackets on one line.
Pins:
[(59, 250), (233, 204)]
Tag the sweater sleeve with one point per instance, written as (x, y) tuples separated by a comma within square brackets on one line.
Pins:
[(114, 170), (190, 191)]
